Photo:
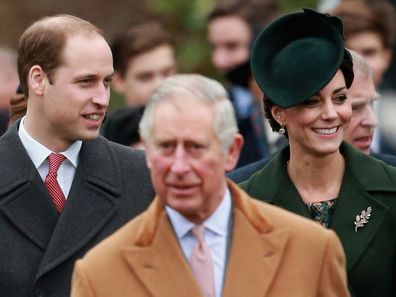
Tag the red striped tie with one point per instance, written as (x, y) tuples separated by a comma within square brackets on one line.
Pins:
[(51, 182)]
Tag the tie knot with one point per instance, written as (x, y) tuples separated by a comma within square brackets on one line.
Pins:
[(198, 232), (55, 160)]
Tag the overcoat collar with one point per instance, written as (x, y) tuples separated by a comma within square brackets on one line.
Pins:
[(363, 177), (155, 255), (27, 204)]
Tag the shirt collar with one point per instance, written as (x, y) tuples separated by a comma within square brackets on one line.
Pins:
[(38, 153), (215, 223)]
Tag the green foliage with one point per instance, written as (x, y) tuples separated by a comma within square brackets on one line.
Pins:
[(293, 5), (186, 20)]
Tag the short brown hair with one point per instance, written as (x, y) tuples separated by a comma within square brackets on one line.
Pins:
[(137, 40), (376, 16), (43, 43), (254, 13)]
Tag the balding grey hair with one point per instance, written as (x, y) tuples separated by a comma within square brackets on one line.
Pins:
[(361, 68), (194, 87)]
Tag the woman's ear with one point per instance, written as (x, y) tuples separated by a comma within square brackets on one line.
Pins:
[(278, 114)]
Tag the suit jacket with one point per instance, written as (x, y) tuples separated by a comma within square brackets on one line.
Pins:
[(38, 247), (273, 253), (367, 182), (245, 172)]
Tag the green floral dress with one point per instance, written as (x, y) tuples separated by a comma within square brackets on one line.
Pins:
[(322, 211)]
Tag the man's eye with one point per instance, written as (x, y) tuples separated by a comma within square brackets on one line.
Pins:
[(107, 82), (85, 81), (195, 148), (144, 77), (166, 146), (357, 108)]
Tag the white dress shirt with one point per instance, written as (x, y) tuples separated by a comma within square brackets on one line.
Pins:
[(216, 232), (38, 153)]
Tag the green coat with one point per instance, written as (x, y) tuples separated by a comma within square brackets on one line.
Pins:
[(371, 251)]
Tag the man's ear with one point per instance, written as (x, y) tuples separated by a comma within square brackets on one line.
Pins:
[(36, 80), (118, 83), (233, 152), (147, 152)]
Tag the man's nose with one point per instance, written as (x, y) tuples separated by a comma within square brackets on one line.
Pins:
[(102, 95), (180, 163), (370, 119)]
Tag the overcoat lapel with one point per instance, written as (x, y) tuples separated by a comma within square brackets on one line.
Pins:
[(156, 255), (353, 199), (23, 197), (363, 177), (161, 259), (277, 189), (253, 255), (91, 204)]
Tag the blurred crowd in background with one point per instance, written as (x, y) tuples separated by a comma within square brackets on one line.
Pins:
[(153, 39)]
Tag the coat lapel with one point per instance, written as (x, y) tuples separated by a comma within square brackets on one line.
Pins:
[(352, 201), (354, 197), (91, 204), (250, 262), (161, 259), (23, 196), (278, 189), (261, 256), (156, 255)]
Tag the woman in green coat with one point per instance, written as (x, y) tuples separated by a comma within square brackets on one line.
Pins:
[(302, 67)]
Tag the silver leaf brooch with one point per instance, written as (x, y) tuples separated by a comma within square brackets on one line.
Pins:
[(362, 218)]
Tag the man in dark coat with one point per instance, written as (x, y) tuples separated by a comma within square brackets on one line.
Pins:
[(50, 217)]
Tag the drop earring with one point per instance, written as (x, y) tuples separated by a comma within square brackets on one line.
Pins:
[(282, 130)]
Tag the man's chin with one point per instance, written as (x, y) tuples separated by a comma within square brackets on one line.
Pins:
[(363, 147)]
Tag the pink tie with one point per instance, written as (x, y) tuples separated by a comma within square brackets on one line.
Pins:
[(201, 263), (51, 182)]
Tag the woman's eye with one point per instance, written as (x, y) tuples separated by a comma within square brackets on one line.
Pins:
[(342, 98), (310, 102)]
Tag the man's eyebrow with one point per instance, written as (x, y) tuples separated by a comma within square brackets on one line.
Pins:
[(92, 76), (360, 103), (85, 76)]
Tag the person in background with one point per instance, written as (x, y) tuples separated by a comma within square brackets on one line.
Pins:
[(202, 235), (370, 30), (305, 75), (231, 27), (18, 106), (362, 95), (62, 188), (144, 56), (8, 83)]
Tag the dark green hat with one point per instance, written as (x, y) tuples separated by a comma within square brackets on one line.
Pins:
[(298, 54)]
